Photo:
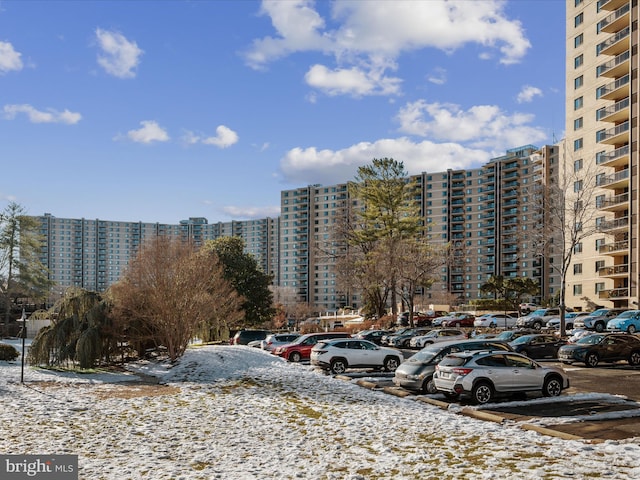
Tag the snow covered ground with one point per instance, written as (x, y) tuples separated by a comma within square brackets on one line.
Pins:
[(240, 413)]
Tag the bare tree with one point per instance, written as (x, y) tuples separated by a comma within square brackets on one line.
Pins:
[(171, 293), (567, 213)]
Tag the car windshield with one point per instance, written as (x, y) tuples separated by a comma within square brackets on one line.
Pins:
[(597, 313), (590, 340), (630, 313), (538, 313), (522, 339), (425, 355), (505, 335)]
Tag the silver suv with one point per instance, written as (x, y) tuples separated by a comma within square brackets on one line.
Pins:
[(598, 319), (538, 318), (484, 375)]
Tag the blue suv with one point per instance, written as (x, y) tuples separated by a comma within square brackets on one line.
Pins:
[(628, 321)]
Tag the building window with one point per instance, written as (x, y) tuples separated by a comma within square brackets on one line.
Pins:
[(578, 103), (578, 19), (577, 290), (578, 61), (599, 288), (599, 243), (599, 265), (577, 144), (578, 82), (577, 165), (577, 249), (578, 123), (578, 40)]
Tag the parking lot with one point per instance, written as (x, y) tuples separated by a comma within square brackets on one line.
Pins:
[(613, 415)]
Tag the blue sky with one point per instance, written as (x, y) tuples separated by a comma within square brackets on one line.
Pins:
[(158, 111)]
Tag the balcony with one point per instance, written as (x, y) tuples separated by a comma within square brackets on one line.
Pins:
[(616, 90), (615, 225), (617, 135), (614, 68), (614, 271), (614, 158), (616, 43), (617, 20), (615, 293), (619, 179), (615, 113), (615, 203), (612, 5), (615, 249)]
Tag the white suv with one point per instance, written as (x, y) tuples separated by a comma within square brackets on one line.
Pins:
[(338, 355), (435, 336), (483, 375)]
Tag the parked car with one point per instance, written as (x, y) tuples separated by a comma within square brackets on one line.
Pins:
[(402, 340), (538, 318), (300, 348), (602, 347), (527, 307), (577, 334), (485, 375), (435, 336), (493, 320), (569, 319), (374, 336), (628, 321), (441, 321), (243, 337), (339, 355), (387, 339), (511, 335), (538, 345), (461, 320), (598, 319), (277, 339), (416, 373)]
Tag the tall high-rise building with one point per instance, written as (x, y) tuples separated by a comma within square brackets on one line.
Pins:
[(601, 137)]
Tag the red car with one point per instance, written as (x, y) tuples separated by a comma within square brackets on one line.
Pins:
[(300, 349), (459, 320)]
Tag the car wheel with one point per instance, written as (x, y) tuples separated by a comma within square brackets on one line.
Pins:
[(493, 325), (537, 325), (599, 327), (338, 366), (631, 329), (391, 363), (429, 386), (405, 344), (569, 326), (552, 387), (482, 393), (295, 357), (591, 360), (634, 358)]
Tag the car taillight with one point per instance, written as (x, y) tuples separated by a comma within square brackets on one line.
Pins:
[(320, 351), (462, 371)]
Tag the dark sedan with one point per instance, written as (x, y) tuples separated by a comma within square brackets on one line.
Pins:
[(538, 346), (602, 347), (374, 336)]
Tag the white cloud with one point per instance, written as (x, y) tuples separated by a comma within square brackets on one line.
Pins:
[(481, 126), (439, 76), (352, 81), (37, 116), (9, 58), (149, 133), (370, 35), (528, 93), (225, 137), (119, 56), (327, 167), (240, 213)]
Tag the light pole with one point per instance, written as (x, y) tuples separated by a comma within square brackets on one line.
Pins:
[(23, 319)]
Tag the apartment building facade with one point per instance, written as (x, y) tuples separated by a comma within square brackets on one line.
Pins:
[(486, 214), (602, 134), (93, 254)]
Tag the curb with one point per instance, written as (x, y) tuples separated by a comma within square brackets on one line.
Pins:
[(552, 433), (482, 415)]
